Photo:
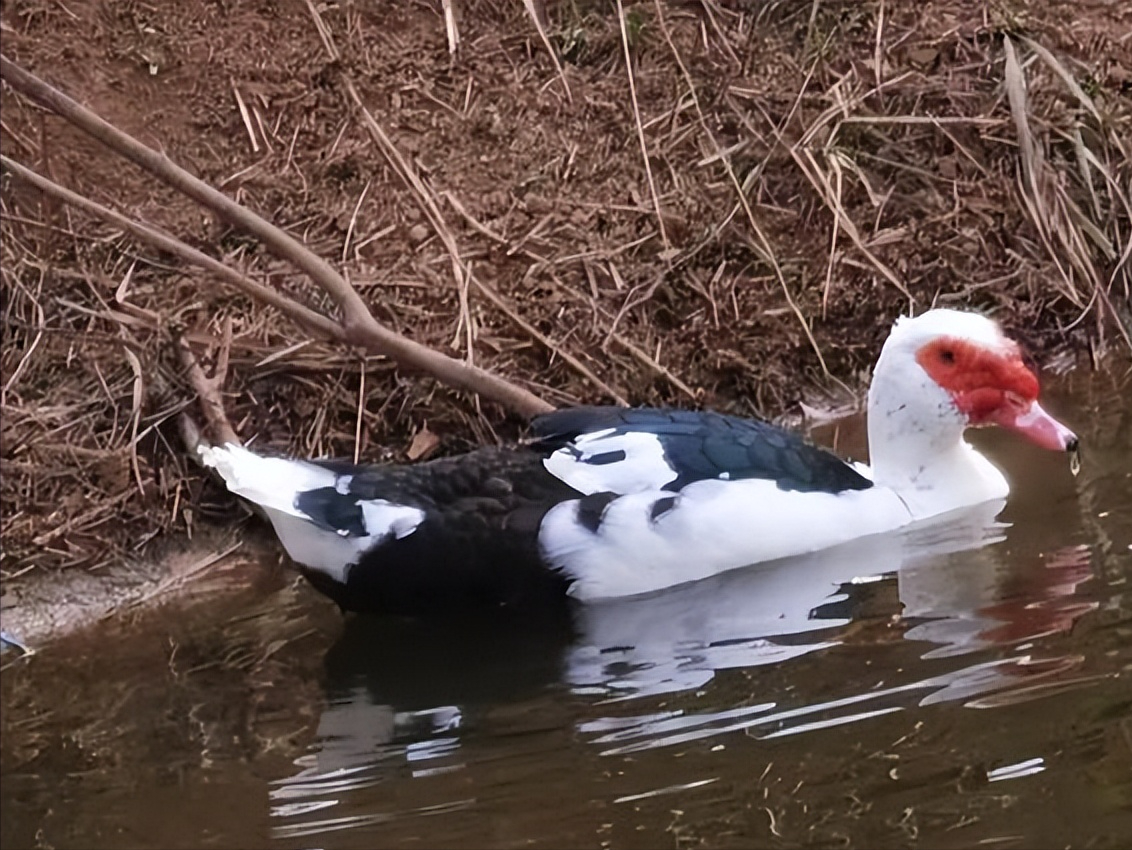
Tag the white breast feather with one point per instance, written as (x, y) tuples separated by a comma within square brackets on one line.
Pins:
[(713, 527)]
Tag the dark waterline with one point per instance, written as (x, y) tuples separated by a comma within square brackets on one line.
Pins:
[(962, 685)]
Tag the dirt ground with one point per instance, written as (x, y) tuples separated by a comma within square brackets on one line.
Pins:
[(815, 169)]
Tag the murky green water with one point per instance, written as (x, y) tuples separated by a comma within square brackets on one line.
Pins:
[(960, 686)]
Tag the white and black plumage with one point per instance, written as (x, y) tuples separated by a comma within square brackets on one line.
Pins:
[(606, 502)]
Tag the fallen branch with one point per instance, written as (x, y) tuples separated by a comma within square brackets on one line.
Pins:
[(310, 320), (358, 324)]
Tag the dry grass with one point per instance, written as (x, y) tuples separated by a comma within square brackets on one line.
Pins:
[(744, 220)]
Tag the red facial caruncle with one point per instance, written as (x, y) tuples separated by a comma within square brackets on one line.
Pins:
[(993, 387)]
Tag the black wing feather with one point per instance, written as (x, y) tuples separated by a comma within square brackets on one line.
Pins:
[(700, 446)]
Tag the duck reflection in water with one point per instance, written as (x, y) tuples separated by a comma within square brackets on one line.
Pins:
[(942, 583), (400, 693)]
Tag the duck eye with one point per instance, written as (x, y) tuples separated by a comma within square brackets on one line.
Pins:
[(947, 356)]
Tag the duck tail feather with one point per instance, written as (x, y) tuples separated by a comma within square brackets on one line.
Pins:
[(271, 482)]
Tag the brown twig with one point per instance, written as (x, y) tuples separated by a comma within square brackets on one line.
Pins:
[(210, 387), (534, 332), (640, 127)]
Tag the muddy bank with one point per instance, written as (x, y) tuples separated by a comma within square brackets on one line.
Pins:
[(46, 607)]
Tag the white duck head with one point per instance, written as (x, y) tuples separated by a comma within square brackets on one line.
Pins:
[(938, 374)]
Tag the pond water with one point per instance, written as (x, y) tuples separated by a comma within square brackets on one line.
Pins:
[(962, 685)]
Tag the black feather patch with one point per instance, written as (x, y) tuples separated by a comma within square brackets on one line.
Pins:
[(605, 457), (592, 508), (332, 510), (660, 507)]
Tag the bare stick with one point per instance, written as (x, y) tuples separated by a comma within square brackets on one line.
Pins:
[(449, 26), (426, 199), (574, 363), (537, 10), (359, 325), (653, 364), (162, 167), (640, 127)]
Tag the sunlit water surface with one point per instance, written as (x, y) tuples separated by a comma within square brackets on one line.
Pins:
[(965, 684)]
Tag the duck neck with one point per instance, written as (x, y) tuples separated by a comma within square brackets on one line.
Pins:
[(916, 447)]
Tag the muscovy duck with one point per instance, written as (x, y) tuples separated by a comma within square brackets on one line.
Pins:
[(608, 501)]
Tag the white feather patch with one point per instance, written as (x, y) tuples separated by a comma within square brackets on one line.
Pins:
[(270, 482), (381, 518), (275, 483), (713, 527), (643, 468), (317, 548)]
